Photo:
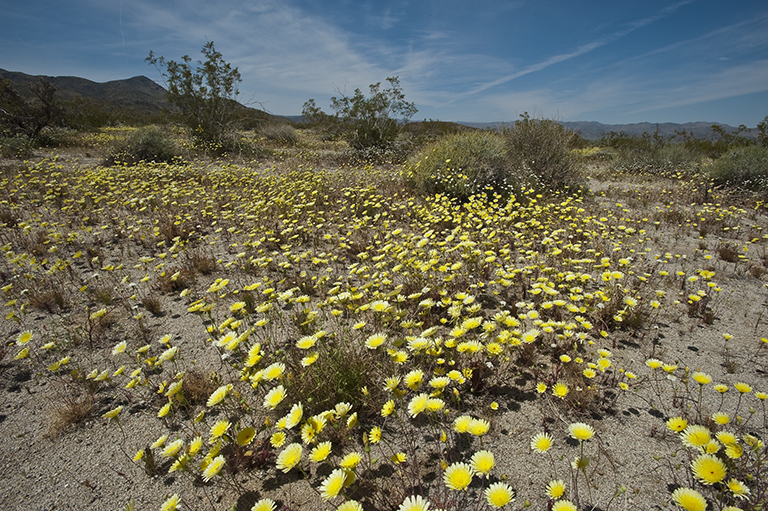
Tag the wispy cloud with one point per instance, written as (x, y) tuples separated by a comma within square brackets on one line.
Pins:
[(580, 50)]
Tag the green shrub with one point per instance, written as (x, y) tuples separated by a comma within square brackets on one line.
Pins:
[(15, 147), (146, 144), (204, 96), (461, 165), (374, 121), (744, 167), (539, 152), (57, 137)]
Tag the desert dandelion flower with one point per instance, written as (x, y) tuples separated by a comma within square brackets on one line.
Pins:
[(333, 484), (112, 414), (264, 505), (171, 449), (277, 439), (555, 489), (374, 341), (320, 452), (119, 348), (461, 423), (581, 431), (695, 435), (170, 504), (414, 503), (418, 404), (541, 442), (560, 390), (708, 469), (689, 499), (739, 489), (274, 397), (499, 495), (213, 468), (458, 476), (350, 505), (219, 395), (478, 427), (23, 338), (677, 424), (289, 458), (564, 505), (483, 462), (351, 460), (219, 429), (195, 445), (701, 378)]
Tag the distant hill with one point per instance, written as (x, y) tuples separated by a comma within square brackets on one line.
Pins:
[(138, 95), (594, 130)]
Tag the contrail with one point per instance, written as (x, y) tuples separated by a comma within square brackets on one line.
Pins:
[(581, 50), (122, 36)]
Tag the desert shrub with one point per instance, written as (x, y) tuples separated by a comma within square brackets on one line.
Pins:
[(15, 147), (51, 136), (146, 144), (460, 165), (539, 151), (283, 133), (29, 115), (744, 167), (374, 121), (662, 159), (420, 133), (204, 96)]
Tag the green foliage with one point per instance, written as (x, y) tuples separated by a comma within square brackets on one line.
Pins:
[(365, 122), (146, 144), (460, 165), (28, 116), (533, 153), (204, 95), (656, 154), (84, 113), (744, 167), (540, 151), (15, 147), (762, 129)]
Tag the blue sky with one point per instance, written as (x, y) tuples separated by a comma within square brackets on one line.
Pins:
[(607, 61)]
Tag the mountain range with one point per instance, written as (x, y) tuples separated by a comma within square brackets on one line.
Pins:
[(138, 94), (146, 97)]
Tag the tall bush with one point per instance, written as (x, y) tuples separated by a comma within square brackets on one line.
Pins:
[(366, 122), (539, 151), (205, 95)]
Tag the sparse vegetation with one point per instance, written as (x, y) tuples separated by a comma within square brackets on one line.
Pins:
[(745, 167), (291, 334)]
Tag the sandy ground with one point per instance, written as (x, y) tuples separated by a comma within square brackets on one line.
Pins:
[(88, 466)]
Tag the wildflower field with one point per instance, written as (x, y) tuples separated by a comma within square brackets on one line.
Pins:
[(287, 333)]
